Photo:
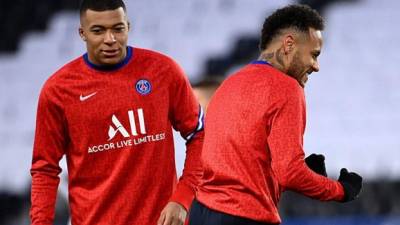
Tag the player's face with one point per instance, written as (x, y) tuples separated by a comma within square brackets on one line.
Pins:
[(106, 35), (305, 59)]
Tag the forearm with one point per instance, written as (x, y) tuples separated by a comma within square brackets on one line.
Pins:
[(43, 196), (291, 171), (192, 172), (298, 177)]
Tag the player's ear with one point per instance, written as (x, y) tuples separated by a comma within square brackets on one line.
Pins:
[(129, 26), (82, 33), (288, 44)]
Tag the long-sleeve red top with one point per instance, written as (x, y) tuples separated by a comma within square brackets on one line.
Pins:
[(253, 146), (114, 124)]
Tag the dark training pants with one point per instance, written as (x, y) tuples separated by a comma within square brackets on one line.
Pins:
[(201, 215)]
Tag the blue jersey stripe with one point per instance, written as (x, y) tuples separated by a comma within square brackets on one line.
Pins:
[(260, 62)]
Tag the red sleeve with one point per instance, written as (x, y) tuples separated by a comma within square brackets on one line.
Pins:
[(187, 118), (286, 147), (47, 151)]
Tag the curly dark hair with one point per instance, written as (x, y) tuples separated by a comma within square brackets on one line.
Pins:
[(100, 5), (299, 17)]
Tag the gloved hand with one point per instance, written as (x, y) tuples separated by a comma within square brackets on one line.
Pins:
[(351, 183), (316, 163)]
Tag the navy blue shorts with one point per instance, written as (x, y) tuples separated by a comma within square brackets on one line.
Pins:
[(202, 215)]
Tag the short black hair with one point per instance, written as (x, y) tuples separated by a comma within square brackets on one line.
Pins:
[(299, 17), (100, 5)]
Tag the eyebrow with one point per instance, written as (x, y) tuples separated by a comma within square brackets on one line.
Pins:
[(101, 26)]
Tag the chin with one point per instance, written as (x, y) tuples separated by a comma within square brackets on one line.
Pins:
[(111, 61)]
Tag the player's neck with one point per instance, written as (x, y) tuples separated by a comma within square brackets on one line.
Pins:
[(274, 57)]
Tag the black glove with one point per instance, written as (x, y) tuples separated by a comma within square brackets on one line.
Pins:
[(317, 164), (351, 183)]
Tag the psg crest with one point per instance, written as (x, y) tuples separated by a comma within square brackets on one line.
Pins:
[(143, 87)]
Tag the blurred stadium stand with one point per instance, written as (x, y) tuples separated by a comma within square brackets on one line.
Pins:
[(21, 16), (353, 102)]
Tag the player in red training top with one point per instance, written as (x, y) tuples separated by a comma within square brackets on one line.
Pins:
[(111, 112), (253, 144)]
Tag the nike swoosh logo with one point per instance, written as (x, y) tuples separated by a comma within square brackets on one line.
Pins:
[(84, 98)]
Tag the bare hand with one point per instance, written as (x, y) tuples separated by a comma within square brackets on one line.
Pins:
[(172, 214)]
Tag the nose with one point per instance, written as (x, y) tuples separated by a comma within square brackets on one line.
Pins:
[(315, 66), (109, 37)]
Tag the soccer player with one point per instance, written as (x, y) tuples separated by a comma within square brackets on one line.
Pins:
[(111, 113), (253, 144)]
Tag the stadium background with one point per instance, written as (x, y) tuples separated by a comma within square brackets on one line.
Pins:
[(353, 102)]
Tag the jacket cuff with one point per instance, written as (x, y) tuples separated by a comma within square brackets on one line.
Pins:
[(183, 195)]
